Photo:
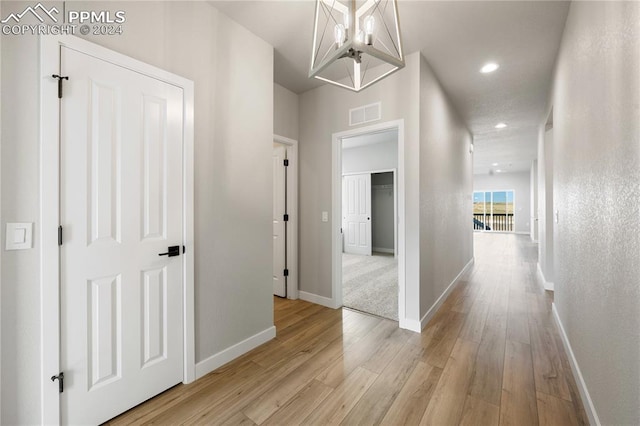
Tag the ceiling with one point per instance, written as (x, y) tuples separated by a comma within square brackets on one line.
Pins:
[(456, 38)]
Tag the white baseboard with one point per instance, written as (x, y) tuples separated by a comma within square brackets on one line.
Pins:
[(206, 366), (547, 285), (434, 308), (318, 300), (382, 250), (582, 386)]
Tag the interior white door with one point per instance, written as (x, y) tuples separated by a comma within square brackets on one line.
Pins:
[(356, 213), (279, 225), (121, 206)]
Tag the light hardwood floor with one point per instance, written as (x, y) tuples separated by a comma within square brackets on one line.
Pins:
[(491, 355)]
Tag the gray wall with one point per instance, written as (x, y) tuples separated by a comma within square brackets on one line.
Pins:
[(285, 112), (597, 192), (233, 74), (446, 186), (382, 211), (520, 182), (369, 158)]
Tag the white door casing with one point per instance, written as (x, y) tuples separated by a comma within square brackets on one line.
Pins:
[(291, 146), (124, 192), (279, 225), (356, 208), (337, 214)]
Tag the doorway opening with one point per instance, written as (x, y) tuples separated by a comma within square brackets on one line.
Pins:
[(368, 214)]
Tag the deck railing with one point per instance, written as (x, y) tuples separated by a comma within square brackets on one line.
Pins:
[(495, 222)]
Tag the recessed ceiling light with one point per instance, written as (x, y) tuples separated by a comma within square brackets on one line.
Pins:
[(494, 164), (489, 67), (499, 171), (501, 126)]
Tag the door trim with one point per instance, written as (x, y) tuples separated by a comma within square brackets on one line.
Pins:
[(292, 207), (336, 214), (50, 48)]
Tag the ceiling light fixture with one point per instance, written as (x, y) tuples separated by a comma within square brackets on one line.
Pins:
[(501, 126), (489, 67), (494, 164), (498, 171), (366, 45)]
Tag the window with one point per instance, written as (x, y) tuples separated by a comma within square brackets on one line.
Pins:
[(493, 211)]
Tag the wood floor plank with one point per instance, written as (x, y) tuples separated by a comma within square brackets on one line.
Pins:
[(518, 328), (486, 382), (554, 411), (479, 412), (518, 404), (447, 403), (338, 404), (222, 405), (411, 403), (474, 323), (548, 371), (386, 351), (373, 405), (355, 356), (576, 399), (439, 348), (301, 405), (281, 391)]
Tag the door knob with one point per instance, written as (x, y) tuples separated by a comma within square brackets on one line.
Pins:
[(171, 251)]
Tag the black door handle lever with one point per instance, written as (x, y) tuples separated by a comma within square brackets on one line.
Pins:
[(172, 251)]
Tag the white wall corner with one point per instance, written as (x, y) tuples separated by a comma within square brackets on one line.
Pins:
[(434, 308), (575, 368), (215, 361), (546, 285), (318, 300)]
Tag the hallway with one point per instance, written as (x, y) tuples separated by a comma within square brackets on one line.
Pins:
[(491, 355)]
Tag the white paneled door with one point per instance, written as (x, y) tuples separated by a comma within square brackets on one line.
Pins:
[(356, 213), (279, 225), (121, 207)]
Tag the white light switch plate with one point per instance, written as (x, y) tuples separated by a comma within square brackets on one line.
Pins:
[(19, 236), (325, 216)]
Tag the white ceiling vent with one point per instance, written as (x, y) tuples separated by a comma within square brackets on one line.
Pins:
[(365, 114)]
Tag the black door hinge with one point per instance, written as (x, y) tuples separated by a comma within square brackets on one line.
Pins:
[(286, 218), (184, 249), (286, 272), (286, 162), (60, 235), (60, 379), (60, 78)]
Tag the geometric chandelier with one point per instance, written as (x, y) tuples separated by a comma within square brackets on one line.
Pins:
[(354, 47)]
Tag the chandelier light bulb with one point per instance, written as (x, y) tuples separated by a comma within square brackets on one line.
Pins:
[(347, 20), (339, 33), (369, 25)]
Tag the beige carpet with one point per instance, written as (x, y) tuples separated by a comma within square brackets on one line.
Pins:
[(370, 284)]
